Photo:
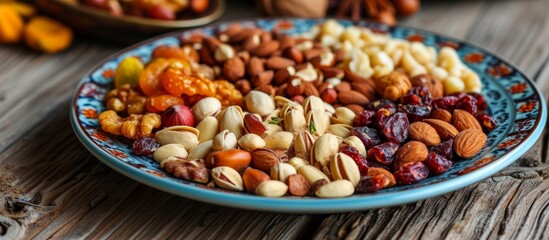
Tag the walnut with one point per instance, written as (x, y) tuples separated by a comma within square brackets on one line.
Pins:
[(393, 86), (135, 126), (433, 85), (190, 170), (125, 99)]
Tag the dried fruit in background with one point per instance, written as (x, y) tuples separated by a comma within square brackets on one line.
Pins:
[(177, 83), (411, 172), (437, 164), (128, 72), (47, 35), (162, 102), (144, 146), (11, 24), (293, 8)]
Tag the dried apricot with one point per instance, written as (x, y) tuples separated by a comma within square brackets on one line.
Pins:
[(149, 81), (47, 35), (11, 25), (162, 102), (178, 83), (169, 52)]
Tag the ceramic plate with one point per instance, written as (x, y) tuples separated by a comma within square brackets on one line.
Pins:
[(514, 101)]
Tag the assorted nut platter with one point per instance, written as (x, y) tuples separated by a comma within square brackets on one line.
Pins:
[(330, 113)]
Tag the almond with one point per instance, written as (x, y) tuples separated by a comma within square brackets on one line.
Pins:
[(233, 69), (463, 120), (344, 86), (352, 97), (333, 72), (412, 151), (441, 114), (309, 89), (469, 142), (355, 108), (255, 66), (444, 129), (263, 78), (253, 177), (365, 87), (424, 133), (265, 49), (298, 185), (277, 63), (294, 54), (312, 53), (281, 76)]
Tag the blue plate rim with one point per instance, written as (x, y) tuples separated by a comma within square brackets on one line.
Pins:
[(310, 205)]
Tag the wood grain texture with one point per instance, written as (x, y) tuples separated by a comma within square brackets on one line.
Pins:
[(52, 187)]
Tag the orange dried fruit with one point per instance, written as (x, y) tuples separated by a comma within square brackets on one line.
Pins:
[(177, 83), (47, 35), (149, 81), (128, 72), (169, 52), (160, 103), (11, 24)]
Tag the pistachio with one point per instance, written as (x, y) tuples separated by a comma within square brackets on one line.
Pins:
[(343, 115), (251, 141), (271, 188), (227, 178), (313, 103), (184, 135), (324, 149), (281, 101), (206, 107), (282, 171), (286, 108), (303, 144), (208, 128), (273, 117), (329, 108), (260, 103), (224, 140), (344, 167), (340, 130), (169, 150), (297, 162), (336, 189), (312, 174), (201, 150), (279, 140), (272, 129), (294, 121), (318, 122), (264, 159), (233, 120), (355, 142)]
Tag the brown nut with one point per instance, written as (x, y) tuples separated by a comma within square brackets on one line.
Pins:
[(329, 95), (298, 185), (434, 86), (463, 120), (233, 69), (281, 76), (309, 89), (355, 108), (375, 171), (264, 159), (293, 54), (265, 49), (252, 178), (444, 129), (295, 87), (277, 63), (424, 133), (352, 97), (254, 66), (441, 114), (469, 142), (234, 158), (412, 151), (253, 124), (263, 78), (243, 86)]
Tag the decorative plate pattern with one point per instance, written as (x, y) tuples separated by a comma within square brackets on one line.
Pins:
[(514, 100)]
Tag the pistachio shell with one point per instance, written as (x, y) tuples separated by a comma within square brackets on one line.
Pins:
[(201, 150), (282, 171), (227, 178), (355, 142), (224, 140), (336, 189), (279, 140), (318, 122), (233, 120), (294, 121), (340, 130), (272, 129), (280, 101), (184, 135), (343, 115), (271, 188), (208, 128), (260, 103), (312, 174), (169, 150), (324, 149), (289, 107), (250, 141), (206, 107), (303, 144), (344, 167), (313, 103)]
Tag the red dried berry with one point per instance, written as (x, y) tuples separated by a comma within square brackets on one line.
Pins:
[(396, 128), (411, 172), (364, 118), (383, 153), (411, 99), (368, 136), (415, 112), (359, 159), (372, 184), (382, 115), (468, 103), (447, 103), (423, 93), (481, 102), (162, 12), (487, 122), (144, 146), (437, 164), (379, 104), (444, 148)]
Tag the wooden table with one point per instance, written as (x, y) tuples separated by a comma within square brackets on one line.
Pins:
[(52, 187)]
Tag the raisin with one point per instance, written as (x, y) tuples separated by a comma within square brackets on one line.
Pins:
[(444, 148), (382, 115), (411, 99), (414, 112), (364, 118), (437, 164), (468, 103), (481, 102), (383, 153), (144, 146), (368, 136), (359, 159), (487, 122), (423, 93), (379, 104), (372, 184), (447, 103), (396, 128), (411, 172)]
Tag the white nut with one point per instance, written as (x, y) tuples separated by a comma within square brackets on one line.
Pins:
[(271, 188), (282, 171), (169, 150), (336, 189), (224, 140)]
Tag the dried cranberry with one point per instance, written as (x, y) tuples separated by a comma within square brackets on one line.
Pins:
[(372, 184), (396, 128), (487, 122), (468, 103), (423, 94), (414, 112), (481, 102), (359, 159), (144, 146), (383, 103), (382, 115), (444, 148), (459, 94), (411, 172), (411, 99), (437, 164), (447, 103), (364, 118), (368, 136), (383, 153)]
